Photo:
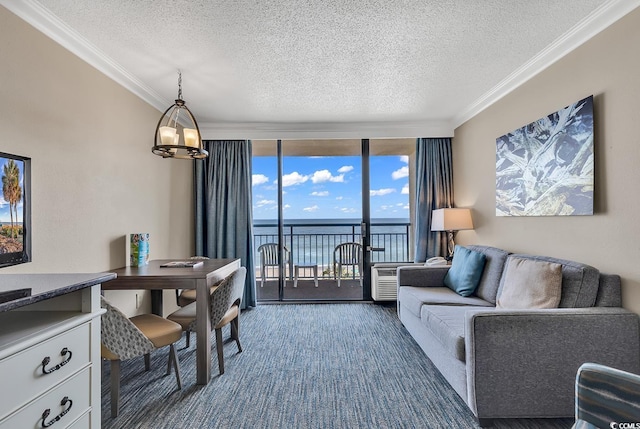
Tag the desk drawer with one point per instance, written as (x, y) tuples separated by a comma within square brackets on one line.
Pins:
[(23, 370), (76, 389)]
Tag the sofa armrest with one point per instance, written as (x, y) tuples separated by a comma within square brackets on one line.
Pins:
[(523, 363), (422, 275)]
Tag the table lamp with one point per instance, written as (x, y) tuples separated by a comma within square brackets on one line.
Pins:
[(451, 220)]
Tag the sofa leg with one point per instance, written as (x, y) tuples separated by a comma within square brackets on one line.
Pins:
[(485, 423)]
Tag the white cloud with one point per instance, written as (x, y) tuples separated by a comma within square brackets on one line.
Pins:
[(348, 210), (321, 176), (405, 189), (345, 169), (294, 178), (263, 203), (340, 198), (320, 193), (405, 159), (258, 179), (286, 206), (380, 192), (400, 173), (311, 209)]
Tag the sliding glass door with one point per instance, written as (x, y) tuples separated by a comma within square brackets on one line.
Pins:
[(312, 218)]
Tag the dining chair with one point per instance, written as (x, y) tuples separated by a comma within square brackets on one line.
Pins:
[(126, 338), (185, 297), (349, 254), (269, 257), (224, 308)]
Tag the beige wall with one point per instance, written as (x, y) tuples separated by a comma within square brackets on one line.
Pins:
[(608, 67), (94, 178)]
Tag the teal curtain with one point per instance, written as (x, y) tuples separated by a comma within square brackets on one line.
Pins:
[(434, 190), (223, 215)]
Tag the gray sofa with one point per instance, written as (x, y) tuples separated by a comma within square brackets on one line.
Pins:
[(518, 363)]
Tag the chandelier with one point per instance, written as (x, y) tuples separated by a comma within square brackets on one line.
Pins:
[(177, 133)]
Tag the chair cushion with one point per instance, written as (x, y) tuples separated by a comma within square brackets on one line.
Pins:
[(530, 283), (184, 316), (187, 296), (160, 331), (187, 314), (465, 272)]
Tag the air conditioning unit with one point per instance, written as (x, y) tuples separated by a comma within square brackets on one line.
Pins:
[(383, 283)]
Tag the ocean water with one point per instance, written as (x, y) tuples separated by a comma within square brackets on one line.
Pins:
[(314, 240)]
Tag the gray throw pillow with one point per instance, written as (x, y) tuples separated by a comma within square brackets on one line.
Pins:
[(529, 283)]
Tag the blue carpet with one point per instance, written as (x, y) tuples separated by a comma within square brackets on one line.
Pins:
[(303, 366)]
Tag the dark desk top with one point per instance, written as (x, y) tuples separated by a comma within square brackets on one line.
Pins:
[(45, 286), (152, 276)]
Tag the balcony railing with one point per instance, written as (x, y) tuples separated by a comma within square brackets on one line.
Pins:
[(314, 242)]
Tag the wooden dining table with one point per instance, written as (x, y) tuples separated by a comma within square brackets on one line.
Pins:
[(155, 278)]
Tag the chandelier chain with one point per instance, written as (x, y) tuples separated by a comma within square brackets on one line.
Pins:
[(179, 85)]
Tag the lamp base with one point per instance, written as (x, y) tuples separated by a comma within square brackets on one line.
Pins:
[(450, 245)]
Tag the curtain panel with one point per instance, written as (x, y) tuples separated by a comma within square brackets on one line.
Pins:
[(223, 211), (434, 190)]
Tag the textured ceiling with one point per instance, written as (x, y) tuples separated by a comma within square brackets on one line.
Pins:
[(310, 62)]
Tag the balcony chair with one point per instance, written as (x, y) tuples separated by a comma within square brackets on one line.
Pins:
[(124, 338), (605, 395), (269, 258), (349, 254), (224, 308)]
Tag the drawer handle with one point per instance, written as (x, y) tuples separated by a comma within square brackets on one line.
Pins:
[(46, 412), (47, 359)]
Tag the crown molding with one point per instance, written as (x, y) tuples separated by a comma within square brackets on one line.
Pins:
[(44, 21), (324, 130), (593, 24)]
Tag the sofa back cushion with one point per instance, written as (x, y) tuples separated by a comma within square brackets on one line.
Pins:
[(530, 284), (610, 291), (494, 266), (580, 282)]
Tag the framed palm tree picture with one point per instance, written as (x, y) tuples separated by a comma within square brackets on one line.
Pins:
[(15, 210), (546, 168)]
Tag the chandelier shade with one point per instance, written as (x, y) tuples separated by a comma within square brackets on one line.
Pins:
[(177, 132)]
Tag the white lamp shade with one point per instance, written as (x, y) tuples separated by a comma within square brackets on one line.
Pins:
[(451, 219)]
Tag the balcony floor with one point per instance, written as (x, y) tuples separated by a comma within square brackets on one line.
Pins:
[(327, 290)]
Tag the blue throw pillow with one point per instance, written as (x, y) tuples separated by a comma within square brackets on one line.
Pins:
[(465, 272)]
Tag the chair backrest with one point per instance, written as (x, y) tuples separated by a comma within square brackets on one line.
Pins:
[(605, 395), (229, 293), (348, 253), (120, 336), (269, 254)]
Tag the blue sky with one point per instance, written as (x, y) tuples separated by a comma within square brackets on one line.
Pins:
[(331, 187), (4, 206)]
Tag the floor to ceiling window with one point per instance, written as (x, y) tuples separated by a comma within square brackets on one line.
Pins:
[(324, 209)]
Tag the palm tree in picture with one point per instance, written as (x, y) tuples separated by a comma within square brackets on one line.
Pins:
[(12, 191)]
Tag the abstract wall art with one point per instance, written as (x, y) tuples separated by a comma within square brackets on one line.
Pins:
[(546, 167)]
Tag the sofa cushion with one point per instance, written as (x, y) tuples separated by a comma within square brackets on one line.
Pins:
[(530, 283), (580, 282), (413, 298), (494, 265), (447, 324), (465, 272)]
